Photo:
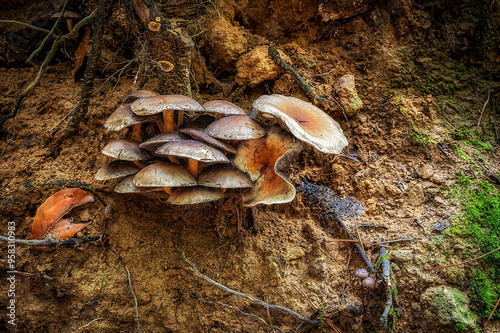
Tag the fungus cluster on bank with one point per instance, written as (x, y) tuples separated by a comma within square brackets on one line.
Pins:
[(219, 149)]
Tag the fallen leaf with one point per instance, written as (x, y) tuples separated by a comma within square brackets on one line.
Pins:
[(80, 53), (48, 222)]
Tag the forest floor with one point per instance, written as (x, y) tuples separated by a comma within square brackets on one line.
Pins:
[(416, 159)]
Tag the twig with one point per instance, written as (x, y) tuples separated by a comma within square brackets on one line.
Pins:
[(484, 108), (51, 32), (43, 66), (34, 27), (492, 312), (135, 300), (359, 236), (394, 241), (465, 262), (245, 314), (311, 303), (90, 322), (52, 242), (273, 52), (386, 275), (478, 294), (88, 78), (345, 275), (444, 152), (251, 298), (322, 74)]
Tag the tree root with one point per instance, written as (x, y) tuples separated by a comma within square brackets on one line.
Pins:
[(197, 273)]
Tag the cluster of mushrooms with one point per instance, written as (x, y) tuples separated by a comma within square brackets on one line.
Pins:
[(220, 148)]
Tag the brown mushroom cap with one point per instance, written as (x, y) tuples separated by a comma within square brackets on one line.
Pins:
[(68, 14), (266, 160), (152, 105), (236, 127), (223, 107), (124, 117), (195, 195), (139, 94), (164, 175), (126, 185), (125, 150), (192, 149), (152, 144), (116, 169), (223, 176), (305, 121), (204, 137)]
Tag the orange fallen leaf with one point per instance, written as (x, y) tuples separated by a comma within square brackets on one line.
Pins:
[(80, 53), (48, 222)]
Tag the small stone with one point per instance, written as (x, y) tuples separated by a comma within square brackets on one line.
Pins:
[(345, 89), (257, 66), (441, 225), (427, 172), (85, 215)]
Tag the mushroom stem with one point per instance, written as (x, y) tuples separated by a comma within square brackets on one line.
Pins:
[(139, 164), (168, 119), (136, 133), (161, 125), (69, 23), (193, 167), (168, 190), (173, 159), (180, 118)]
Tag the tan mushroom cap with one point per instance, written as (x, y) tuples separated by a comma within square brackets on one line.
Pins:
[(266, 161), (223, 107), (164, 175), (223, 176), (204, 137), (236, 127), (116, 169), (139, 94), (192, 149), (155, 142), (126, 185), (152, 105), (68, 14), (124, 117), (195, 195), (125, 150), (305, 121)]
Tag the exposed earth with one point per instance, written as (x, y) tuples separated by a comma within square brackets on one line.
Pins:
[(411, 80)]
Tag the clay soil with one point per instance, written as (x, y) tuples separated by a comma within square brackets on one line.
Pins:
[(405, 56)]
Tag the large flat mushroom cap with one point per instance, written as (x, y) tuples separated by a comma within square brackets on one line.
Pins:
[(223, 176), (266, 160), (116, 169), (124, 117), (152, 144), (153, 105), (223, 107), (125, 150), (305, 121), (164, 175), (235, 127), (192, 149), (195, 195)]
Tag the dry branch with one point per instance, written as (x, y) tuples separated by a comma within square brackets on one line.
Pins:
[(251, 298), (52, 242)]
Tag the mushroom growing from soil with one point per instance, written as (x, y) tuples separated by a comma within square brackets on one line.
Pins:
[(305, 121), (69, 16), (223, 108), (224, 176), (164, 175), (125, 150), (235, 127), (195, 195), (166, 104), (116, 169), (266, 161), (193, 150)]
